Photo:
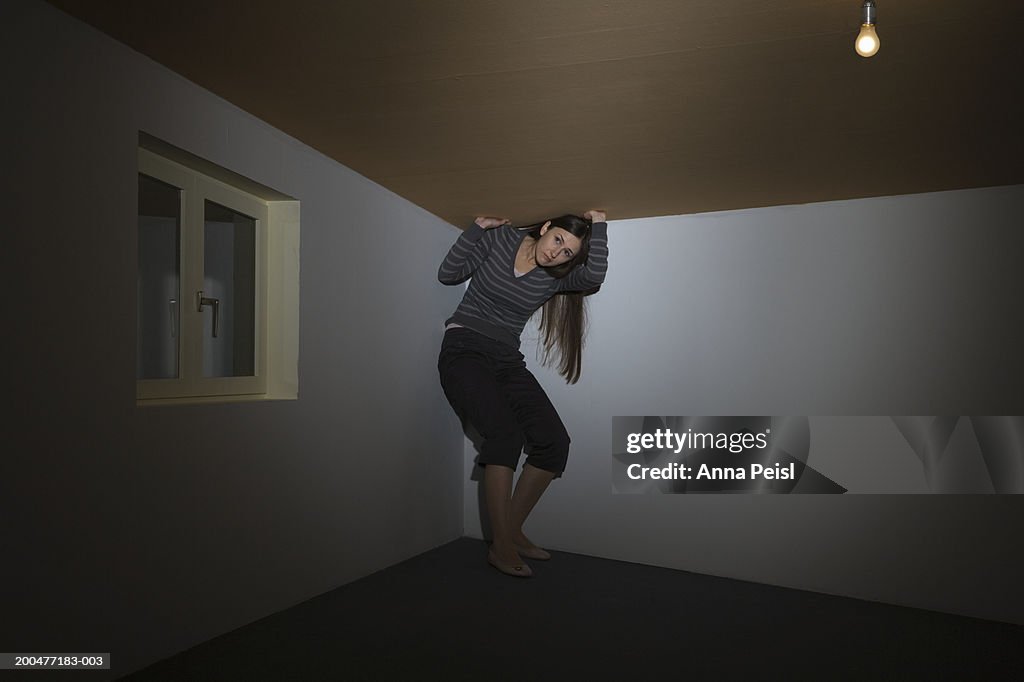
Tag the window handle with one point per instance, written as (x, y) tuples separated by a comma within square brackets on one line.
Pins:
[(215, 302), (174, 316)]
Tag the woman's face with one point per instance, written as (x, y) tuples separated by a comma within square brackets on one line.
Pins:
[(556, 246)]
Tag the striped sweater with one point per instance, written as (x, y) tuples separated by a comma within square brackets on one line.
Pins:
[(497, 303)]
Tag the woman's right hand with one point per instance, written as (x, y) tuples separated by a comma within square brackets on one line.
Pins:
[(488, 223)]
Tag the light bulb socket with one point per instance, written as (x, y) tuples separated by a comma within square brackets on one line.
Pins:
[(868, 12)]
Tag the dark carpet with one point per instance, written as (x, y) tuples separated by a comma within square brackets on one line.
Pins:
[(446, 614)]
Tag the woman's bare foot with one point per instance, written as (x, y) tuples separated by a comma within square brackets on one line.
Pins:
[(505, 558), (505, 553), (526, 548)]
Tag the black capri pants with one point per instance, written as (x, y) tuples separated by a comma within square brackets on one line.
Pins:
[(487, 384)]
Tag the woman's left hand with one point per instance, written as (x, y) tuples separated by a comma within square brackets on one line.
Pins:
[(488, 223), (595, 216)]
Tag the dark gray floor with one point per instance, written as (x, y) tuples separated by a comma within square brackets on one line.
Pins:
[(447, 614)]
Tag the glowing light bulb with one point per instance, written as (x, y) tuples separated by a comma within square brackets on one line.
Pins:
[(867, 42)]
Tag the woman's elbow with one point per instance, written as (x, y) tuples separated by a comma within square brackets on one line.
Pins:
[(450, 278), (446, 275)]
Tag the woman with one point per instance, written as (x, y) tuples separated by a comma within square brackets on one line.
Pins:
[(484, 375)]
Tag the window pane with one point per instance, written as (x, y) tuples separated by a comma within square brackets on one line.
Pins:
[(229, 277), (158, 280)]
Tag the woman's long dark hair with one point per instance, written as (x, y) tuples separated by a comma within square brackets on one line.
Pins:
[(563, 319)]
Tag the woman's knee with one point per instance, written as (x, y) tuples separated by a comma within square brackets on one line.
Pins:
[(561, 442), (503, 448), (552, 452)]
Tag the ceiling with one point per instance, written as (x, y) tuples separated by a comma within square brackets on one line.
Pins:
[(532, 108)]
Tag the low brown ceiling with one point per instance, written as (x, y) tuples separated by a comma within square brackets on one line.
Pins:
[(531, 108)]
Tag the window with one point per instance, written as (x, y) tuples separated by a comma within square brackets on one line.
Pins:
[(217, 283)]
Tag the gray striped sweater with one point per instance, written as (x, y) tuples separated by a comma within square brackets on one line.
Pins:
[(497, 303)]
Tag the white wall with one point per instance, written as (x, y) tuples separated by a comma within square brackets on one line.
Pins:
[(889, 306), (143, 531)]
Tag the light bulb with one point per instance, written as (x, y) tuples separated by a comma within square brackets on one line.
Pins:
[(867, 42)]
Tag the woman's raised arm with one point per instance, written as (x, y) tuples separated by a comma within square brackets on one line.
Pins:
[(593, 272), (470, 250)]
